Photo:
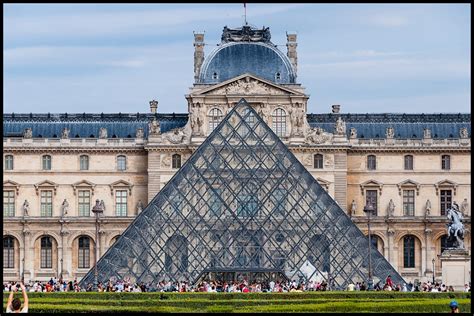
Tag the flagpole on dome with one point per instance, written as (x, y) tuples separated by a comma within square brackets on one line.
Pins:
[(245, 13)]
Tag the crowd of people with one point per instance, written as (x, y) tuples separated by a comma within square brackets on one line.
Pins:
[(59, 285)]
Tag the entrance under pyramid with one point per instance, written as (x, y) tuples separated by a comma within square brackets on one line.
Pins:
[(242, 206)]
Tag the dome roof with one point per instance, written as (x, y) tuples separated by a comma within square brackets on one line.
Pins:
[(256, 55)]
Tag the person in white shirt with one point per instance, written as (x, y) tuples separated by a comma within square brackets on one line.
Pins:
[(14, 305)]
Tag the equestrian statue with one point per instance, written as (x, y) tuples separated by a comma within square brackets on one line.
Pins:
[(455, 226)]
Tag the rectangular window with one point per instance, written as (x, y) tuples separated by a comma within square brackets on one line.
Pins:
[(409, 252), (408, 162), (8, 162), (46, 258), (247, 206), (46, 162), (409, 202), (446, 200), (445, 162), (215, 203), (47, 203), (8, 253), (121, 203), (8, 203), (371, 196), (84, 197), (84, 162)]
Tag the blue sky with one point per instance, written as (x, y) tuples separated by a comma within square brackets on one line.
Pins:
[(75, 58)]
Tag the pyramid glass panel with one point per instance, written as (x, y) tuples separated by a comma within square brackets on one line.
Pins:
[(242, 204)]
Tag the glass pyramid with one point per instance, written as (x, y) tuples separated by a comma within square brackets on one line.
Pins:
[(242, 204)]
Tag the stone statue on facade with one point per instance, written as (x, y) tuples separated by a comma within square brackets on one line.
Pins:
[(455, 226), (28, 133), (353, 208), (391, 208), (196, 120), (427, 208), (426, 133), (26, 208), (464, 207), (353, 133), (154, 127), (64, 208), (389, 132), (139, 206), (340, 127), (140, 133), (102, 205), (102, 133), (65, 133), (463, 132)]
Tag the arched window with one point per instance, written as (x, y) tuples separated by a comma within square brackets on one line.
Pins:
[(46, 253), (215, 117), (408, 162), (215, 76), (279, 122), (176, 161), (9, 162), (445, 162), (371, 162), (8, 252), (84, 252), (84, 162), (277, 76), (121, 163), (409, 251), (318, 161), (46, 162), (176, 255)]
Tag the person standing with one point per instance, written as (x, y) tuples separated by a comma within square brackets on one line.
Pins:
[(14, 305)]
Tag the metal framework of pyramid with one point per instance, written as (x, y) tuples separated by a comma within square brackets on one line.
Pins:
[(242, 204)]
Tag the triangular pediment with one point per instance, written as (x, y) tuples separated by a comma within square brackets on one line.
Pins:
[(247, 84), (83, 184), (408, 183), (8, 184), (46, 184), (446, 184), (242, 202)]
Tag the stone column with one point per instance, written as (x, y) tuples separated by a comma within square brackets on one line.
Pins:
[(428, 264), (391, 257), (26, 263)]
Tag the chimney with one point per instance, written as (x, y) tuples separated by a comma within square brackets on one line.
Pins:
[(153, 106), (198, 53), (336, 108), (291, 49)]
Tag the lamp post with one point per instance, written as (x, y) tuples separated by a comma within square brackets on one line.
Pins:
[(23, 270), (97, 210), (433, 261), (61, 274), (368, 209)]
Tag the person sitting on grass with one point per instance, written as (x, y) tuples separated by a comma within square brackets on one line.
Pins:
[(14, 305)]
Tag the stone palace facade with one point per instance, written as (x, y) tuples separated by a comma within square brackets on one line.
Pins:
[(411, 167)]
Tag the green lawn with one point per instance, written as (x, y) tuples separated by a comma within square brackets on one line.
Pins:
[(360, 302)]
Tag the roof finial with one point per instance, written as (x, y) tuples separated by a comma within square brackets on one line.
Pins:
[(245, 13)]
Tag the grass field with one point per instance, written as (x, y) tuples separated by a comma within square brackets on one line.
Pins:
[(360, 302)]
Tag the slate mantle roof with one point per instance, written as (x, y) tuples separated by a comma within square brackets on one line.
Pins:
[(124, 125)]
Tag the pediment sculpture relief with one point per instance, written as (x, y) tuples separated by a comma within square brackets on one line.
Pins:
[(317, 135), (247, 86)]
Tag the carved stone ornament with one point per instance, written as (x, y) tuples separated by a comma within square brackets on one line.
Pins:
[(28, 133), (317, 135), (139, 206), (426, 133), (102, 133), (196, 119), (463, 132), (340, 127), (65, 133), (353, 133), (166, 162), (154, 127), (175, 136), (247, 86), (390, 132), (308, 160), (140, 133), (464, 207)]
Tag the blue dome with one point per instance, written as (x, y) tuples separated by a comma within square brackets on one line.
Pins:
[(233, 59)]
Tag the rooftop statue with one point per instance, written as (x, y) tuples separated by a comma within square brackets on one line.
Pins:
[(245, 34)]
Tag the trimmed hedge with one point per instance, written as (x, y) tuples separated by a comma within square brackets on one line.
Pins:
[(247, 302)]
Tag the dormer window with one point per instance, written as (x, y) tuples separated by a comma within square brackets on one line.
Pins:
[(215, 76), (277, 76)]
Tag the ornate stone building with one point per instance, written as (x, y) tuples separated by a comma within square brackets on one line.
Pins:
[(410, 166)]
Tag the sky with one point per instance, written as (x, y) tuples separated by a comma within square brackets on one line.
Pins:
[(369, 58)]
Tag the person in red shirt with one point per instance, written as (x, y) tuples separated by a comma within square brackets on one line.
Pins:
[(389, 282)]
